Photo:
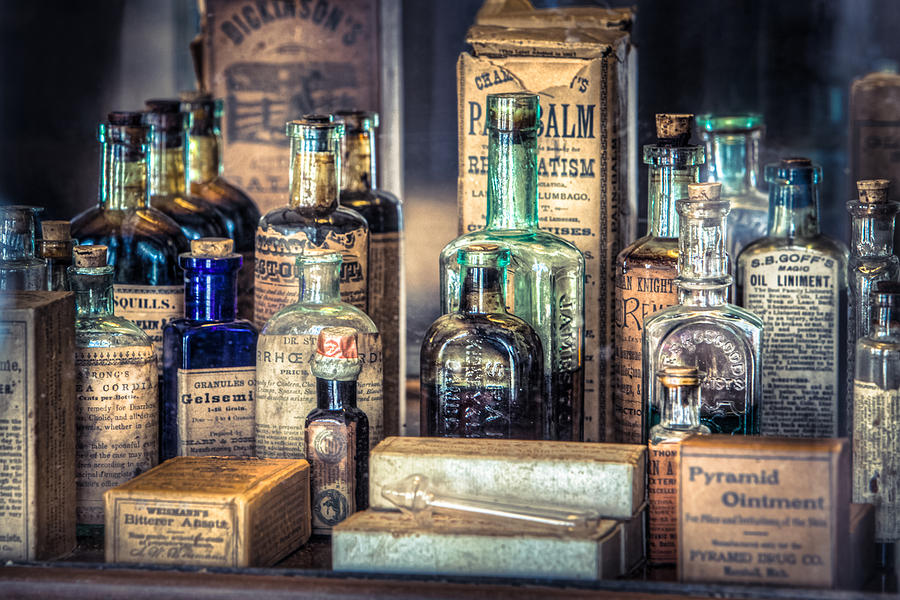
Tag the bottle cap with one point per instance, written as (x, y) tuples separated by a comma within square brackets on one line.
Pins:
[(672, 377), (89, 257), (704, 192), (513, 111), (873, 191), (337, 357), (357, 120), (214, 247), (57, 231), (674, 127)]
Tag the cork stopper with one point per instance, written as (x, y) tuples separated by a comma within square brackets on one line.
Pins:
[(89, 257), (337, 342), (56, 231), (672, 377), (213, 247), (873, 191), (513, 111), (704, 192), (674, 127), (164, 114), (125, 118)]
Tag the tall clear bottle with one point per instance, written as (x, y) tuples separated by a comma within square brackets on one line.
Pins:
[(55, 247), (546, 273), (732, 159), (387, 283), (143, 243), (116, 405), (312, 219), (722, 340), (646, 270), (482, 368), (20, 269), (285, 385), (795, 278), (203, 168)]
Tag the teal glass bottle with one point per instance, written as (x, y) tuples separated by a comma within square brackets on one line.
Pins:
[(546, 273)]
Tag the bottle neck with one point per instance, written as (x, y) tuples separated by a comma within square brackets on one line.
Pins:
[(335, 395), (17, 234), (667, 185), (680, 408), (793, 210), (123, 178), (93, 291), (703, 277), (733, 160), (885, 322), (314, 179), (872, 228), (482, 290), (201, 158), (210, 288), (166, 171), (359, 162), (512, 180), (320, 283)]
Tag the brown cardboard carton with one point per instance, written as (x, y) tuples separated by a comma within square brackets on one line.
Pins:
[(37, 425), (581, 76), (214, 511), (763, 510)]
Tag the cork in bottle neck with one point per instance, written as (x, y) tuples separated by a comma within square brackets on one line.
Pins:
[(315, 163)]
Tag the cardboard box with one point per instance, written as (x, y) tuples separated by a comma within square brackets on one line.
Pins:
[(761, 510), (608, 478), (214, 511), (37, 425), (581, 75)]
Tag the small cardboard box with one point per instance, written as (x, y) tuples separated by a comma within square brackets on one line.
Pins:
[(37, 425), (214, 511)]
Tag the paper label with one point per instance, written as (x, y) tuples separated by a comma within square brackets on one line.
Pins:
[(116, 420), (876, 456), (662, 488), (639, 293), (386, 310), (150, 307), (16, 507), (277, 279), (216, 410), (796, 294), (246, 280), (332, 460), (286, 391), (874, 147)]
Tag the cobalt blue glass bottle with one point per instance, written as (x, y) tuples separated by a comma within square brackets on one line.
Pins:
[(209, 360)]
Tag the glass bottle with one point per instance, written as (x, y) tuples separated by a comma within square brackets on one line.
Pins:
[(872, 260), (703, 330), (312, 219), (116, 404), (383, 212), (143, 242), (795, 279), (546, 273), (732, 159), (55, 247), (209, 361), (166, 178), (680, 418), (646, 270), (285, 385), (204, 180), (20, 269), (337, 432), (482, 368)]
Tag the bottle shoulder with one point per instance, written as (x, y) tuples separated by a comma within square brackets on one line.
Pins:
[(724, 314), (525, 247), (109, 331), (287, 219), (381, 210), (188, 328), (460, 329), (141, 225), (649, 252), (309, 319)]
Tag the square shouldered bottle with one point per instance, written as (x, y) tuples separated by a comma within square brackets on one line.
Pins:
[(312, 218), (546, 273), (203, 168), (285, 385), (482, 369), (646, 270), (703, 330), (143, 243), (116, 404), (795, 279), (209, 361), (55, 247), (20, 268), (387, 285)]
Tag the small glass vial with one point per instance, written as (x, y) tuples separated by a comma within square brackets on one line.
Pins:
[(55, 247), (680, 418), (209, 361), (722, 340), (116, 403), (646, 270), (337, 432), (285, 385), (482, 368), (20, 269), (312, 219)]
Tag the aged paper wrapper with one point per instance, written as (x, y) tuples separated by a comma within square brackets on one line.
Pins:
[(149, 307), (333, 465), (216, 411)]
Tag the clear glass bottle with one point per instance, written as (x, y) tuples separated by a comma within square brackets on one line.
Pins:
[(55, 247), (795, 278), (384, 214), (732, 159), (143, 243), (209, 361), (166, 177), (116, 404), (646, 270), (337, 432), (546, 273), (722, 340), (203, 168), (312, 219), (679, 419), (285, 385), (20, 269), (482, 368)]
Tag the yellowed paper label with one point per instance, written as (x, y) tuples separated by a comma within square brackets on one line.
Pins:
[(662, 510), (150, 307), (16, 509), (386, 309), (216, 411), (286, 391), (332, 460), (117, 417)]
